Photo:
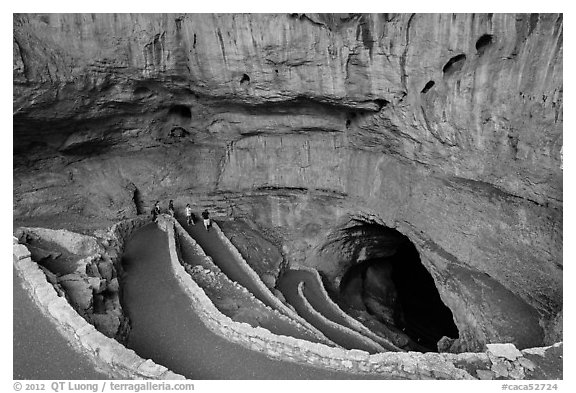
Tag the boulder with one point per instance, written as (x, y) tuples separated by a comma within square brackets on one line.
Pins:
[(506, 351), (92, 270), (526, 363), (113, 285), (485, 374), (106, 270), (445, 344), (97, 284), (107, 324), (78, 290), (269, 280), (500, 369), (279, 295)]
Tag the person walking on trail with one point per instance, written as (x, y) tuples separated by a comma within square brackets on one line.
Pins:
[(171, 208), (206, 218), (155, 211), (189, 215)]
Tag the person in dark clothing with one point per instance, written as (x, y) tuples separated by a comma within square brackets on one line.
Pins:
[(155, 211), (171, 208), (206, 219)]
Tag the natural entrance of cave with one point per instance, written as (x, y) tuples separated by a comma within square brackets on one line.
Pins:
[(388, 282)]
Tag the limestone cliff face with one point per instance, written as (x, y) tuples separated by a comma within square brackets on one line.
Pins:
[(446, 127), (493, 115)]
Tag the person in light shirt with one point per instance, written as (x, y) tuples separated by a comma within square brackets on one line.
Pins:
[(189, 215)]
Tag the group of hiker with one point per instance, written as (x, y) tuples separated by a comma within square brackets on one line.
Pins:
[(190, 217)]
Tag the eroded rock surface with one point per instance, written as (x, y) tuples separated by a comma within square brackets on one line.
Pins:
[(79, 268), (445, 127)]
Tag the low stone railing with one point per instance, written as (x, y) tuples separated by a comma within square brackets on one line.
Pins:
[(352, 323), (183, 235), (368, 343), (270, 298), (114, 358)]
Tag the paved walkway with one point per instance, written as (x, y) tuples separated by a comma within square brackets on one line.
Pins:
[(336, 331), (221, 255), (313, 294), (40, 350), (275, 322), (165, 329)]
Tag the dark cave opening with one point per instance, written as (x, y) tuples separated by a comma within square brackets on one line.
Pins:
[(483, 42), (142, 90), (393, 286), (138, 201), (427, 87), (381, 103), (180, 111), (453, 65), (245, 79)]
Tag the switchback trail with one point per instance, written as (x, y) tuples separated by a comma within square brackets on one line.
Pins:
[(342, 335), (221, 255), (165, 329), (337, 331)]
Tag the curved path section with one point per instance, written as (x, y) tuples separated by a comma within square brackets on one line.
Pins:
[(223, 253), (164, 329), (191, 255), (321, 314), (36, 339), (292, 288), (319, 299)]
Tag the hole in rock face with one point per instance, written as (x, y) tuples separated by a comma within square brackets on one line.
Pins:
[(180, 111), (453, 65), (141, 90), (381, 103), (427, 87), (483, 42), (245, 79), (391, 284), (138, 202)]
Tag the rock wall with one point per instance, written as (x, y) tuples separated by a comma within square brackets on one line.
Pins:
[(495, 115), (447, 127)]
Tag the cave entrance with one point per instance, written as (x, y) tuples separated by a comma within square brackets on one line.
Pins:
[(389, 282)]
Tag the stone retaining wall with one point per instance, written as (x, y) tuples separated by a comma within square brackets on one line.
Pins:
[(374, 347), (277, 303), (115, 359), (352, 323), (183, 235)]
